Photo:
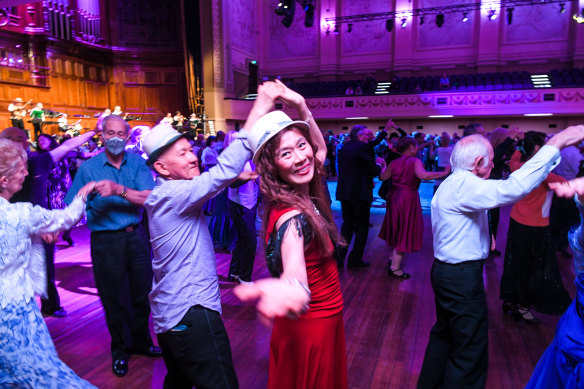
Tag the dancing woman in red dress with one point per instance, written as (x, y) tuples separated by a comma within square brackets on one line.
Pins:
[(306, 350)]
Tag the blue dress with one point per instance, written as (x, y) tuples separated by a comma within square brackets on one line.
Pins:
[(562, 364), (28, 358)]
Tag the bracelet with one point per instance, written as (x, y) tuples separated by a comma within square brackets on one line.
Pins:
[(302, 285), (124, 193), (308, 117)]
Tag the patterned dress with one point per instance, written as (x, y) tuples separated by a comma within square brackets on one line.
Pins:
[(28, 357)]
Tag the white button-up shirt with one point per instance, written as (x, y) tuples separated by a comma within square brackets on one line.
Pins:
[(459, 207)]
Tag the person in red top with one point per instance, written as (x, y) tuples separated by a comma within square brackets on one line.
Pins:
[(307, 350), (531, 277)]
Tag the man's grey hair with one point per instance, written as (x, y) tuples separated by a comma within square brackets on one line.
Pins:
[(110, 118), (356, 131), (467, 150)]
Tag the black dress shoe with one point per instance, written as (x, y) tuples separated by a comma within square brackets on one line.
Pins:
[(61, 312), (120, 367), (151, 352), (357, 265)]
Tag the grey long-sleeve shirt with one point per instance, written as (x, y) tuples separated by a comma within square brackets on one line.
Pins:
[(184, 266)]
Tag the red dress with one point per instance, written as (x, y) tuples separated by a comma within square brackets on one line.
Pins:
[(310, 352), (403, 224)]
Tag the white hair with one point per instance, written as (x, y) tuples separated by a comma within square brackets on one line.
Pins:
[(468, 149)]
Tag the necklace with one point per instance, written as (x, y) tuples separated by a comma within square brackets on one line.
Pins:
[(315, 209)]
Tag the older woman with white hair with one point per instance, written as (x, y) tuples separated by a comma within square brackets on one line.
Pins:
[(461, 245), (28, 357)]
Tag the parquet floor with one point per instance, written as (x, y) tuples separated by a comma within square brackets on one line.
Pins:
[(387, 321)]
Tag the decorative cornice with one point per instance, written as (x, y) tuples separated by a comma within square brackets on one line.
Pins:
[(460, 103), (217, 47), (568, 101)]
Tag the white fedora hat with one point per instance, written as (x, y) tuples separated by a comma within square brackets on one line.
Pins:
[(267, 127), (160, 138)]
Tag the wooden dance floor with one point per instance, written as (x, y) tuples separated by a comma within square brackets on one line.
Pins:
[(387, 321)]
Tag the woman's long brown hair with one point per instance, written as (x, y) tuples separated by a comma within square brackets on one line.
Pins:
[(279, 194)]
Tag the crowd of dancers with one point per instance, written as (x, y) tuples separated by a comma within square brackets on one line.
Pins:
[(168, 269)]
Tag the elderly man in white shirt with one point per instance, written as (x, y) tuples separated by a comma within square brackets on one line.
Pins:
[(457, 352)]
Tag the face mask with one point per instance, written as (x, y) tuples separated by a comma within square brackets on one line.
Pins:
[(115, 145)]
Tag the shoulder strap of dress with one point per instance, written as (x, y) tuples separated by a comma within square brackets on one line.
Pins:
[(275, 215)]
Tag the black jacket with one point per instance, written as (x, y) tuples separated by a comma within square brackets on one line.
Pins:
[(356, 169)]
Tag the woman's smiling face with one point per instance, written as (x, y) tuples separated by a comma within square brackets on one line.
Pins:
[(295, 159)]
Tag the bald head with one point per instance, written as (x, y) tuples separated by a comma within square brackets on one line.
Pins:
[(15, 134)]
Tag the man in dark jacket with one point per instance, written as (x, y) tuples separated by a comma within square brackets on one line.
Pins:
[(357, 167)]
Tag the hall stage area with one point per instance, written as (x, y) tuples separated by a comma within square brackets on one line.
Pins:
[(387, 321)]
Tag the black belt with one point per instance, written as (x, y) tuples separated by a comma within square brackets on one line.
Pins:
[(465, 263), (129, 228)]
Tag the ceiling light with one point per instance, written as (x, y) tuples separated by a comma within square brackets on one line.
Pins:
[(404, 22), (492, 14), (441, 116), (465, 17), (538, 114)]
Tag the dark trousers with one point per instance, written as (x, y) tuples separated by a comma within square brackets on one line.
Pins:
[(457, 352), (245, 246), (197, 352), (37, 124), (563, 215), (19, 123), (52, 303), (122, 266), (494, 216), (355, 222)]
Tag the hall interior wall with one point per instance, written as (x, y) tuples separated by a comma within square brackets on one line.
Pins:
[(539, 39)]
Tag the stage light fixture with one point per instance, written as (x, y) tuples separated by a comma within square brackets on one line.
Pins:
[(286, 8), (492, 14), (389, 23), (350, 28), (404, 22), (422, 20), (336, 30), (510, 15), (308, 14), (562, 8), (440, 20), (465, 17)]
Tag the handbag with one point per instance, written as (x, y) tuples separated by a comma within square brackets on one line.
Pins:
[(384, 189)]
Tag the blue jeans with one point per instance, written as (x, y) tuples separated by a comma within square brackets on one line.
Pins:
[(197, 353)]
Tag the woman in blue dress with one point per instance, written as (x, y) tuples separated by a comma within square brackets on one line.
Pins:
[(562, 364), (28, 357)]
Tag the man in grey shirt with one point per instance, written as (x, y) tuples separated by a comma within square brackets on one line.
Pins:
[(185, 297)]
